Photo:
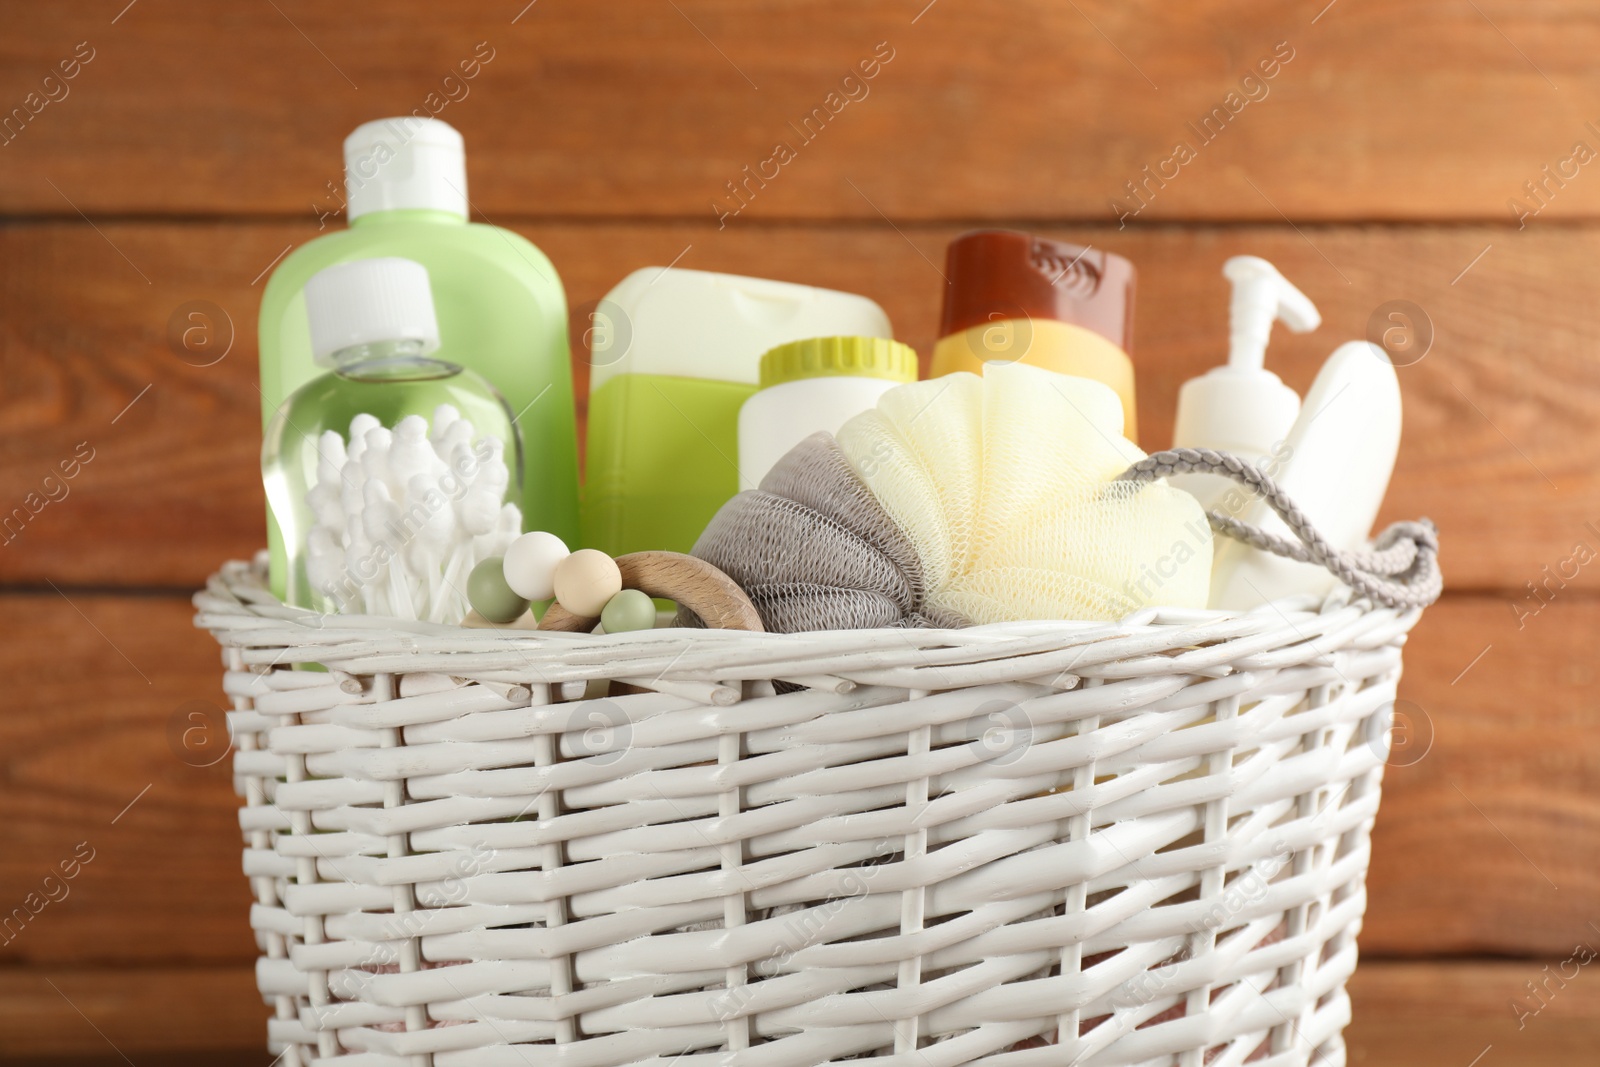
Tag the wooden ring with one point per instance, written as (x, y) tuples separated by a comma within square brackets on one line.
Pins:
[(691, 582)]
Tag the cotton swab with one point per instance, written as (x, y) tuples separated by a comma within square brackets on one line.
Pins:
[(411, 453), (375, 460), (443, 416), (403, 515), (431, 543), (324, 496)]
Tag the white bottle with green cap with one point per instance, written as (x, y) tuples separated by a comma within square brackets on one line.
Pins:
[(815, 385)]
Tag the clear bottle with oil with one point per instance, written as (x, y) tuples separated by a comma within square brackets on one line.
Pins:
[(373, 326)]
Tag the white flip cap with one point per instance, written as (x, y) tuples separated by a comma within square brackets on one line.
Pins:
[(404, 162), (367, 301)]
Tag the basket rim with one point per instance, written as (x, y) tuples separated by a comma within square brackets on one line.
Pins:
[(241, 613)]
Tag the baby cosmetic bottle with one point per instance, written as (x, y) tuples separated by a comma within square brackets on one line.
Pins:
[(373, 330), (501, 308), (1015, 298), (675, 354)]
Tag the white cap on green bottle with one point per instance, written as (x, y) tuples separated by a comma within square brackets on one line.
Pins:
[(404, 162), (369, 301)]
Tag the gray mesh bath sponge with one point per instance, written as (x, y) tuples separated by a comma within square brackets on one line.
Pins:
[(814, 549)]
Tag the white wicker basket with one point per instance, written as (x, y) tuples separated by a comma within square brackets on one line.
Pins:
[(1042, 843)]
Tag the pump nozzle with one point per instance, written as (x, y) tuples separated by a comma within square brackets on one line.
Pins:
[(1241, 407), (1262, 296)]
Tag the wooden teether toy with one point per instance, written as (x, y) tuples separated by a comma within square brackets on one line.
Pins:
[(692, 583)]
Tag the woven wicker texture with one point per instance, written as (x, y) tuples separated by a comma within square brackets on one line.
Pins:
[(1029, 843)]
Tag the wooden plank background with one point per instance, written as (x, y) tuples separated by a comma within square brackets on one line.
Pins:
[(1421, 150)]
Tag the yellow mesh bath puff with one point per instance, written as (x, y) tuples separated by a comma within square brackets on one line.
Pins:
[(925, 470), (1093, 553), (965, 500)]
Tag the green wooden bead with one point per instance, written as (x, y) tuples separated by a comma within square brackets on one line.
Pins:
[(628, 610), (489, 594)]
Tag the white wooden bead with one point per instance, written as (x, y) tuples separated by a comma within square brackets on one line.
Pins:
[(531, 564)]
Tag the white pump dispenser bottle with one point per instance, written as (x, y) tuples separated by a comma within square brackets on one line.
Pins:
[(1241, 407)]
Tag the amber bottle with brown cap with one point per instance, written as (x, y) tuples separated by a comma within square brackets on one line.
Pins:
[(1015, 297)]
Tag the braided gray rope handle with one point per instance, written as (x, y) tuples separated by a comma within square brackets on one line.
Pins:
[(1401, 570)]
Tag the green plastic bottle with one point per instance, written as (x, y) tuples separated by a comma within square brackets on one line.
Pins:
[(675, 354), (501, 308)]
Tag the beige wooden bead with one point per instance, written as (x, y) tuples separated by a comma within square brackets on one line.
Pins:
[(585, 580)]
